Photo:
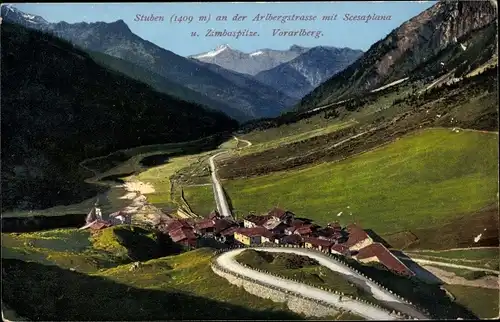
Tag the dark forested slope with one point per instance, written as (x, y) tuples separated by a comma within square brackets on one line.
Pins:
[(60, 107)]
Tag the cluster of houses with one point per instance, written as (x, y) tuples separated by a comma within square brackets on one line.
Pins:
[(187, 232), (282, 227)]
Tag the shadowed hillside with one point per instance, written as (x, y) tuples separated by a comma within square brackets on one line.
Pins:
[(163, 85), (170, 288), (59, 107)]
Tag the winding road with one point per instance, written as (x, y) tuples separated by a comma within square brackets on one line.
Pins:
[(228, 262)]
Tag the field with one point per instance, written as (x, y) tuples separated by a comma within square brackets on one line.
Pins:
[(184, 284), (200, 199), (85, 252), (482, 301), (36, 265), (66, 248), (429, 178), (160, 177)]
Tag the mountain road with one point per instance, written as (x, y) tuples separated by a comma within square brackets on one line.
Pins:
[(228, 262)]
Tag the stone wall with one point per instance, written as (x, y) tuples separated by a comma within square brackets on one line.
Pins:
[(339, 260), (295, 302)]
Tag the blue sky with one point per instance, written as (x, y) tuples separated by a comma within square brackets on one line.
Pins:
[(177, 36)]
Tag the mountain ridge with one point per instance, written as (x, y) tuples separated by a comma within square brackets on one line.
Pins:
[(116, 39), (403, 49), (308, 70), (249, 63)]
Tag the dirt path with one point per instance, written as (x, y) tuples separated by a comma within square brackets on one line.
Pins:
[(444, 264), (450, 249), (246, 141), (452, 278)]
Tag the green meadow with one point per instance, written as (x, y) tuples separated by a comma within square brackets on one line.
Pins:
[(423, 179)]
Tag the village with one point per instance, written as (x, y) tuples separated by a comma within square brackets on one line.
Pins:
[(275, 227)]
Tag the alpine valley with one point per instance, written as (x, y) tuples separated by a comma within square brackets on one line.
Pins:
[(299, 182)]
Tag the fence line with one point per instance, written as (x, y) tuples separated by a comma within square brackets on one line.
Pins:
[(332, 256)]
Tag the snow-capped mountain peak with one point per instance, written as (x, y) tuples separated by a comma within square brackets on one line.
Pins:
[(257, 53), (248, 63), (225, 46), (16, 15), (214, 52)]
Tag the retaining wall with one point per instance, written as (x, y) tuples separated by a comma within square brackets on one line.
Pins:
[(295, 302), (335, 258)]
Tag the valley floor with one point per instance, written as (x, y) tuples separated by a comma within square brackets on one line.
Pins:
[(423, 183)]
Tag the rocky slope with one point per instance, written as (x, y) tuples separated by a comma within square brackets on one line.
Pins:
[(405, 48), (249, 63), (301, 75), (60, 107), (117, 40)]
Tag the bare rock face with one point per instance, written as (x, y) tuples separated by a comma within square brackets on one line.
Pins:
[(406, 47)]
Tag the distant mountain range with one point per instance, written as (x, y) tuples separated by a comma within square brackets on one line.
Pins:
[(295, 71), (411, 46), (252, 63), (302, 74), (116, 39), (263, 83)]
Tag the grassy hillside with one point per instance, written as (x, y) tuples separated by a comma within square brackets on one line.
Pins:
[(59, 107), (36, 268), (175, 287), (471, 103), (424, 179), (85, 252), (483, 302)]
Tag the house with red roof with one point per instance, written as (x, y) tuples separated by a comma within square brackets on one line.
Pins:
[(290, 230), (269, 237), (292, 239), (205, 226), (99, 224), (251, 236), (224, 230), (252, 221), (294, 225), (280, 214), (176, 224), (184, 236), (303, 231), (227, 235), (376, 252), (339, 249), (357, 238), (321, 244)]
